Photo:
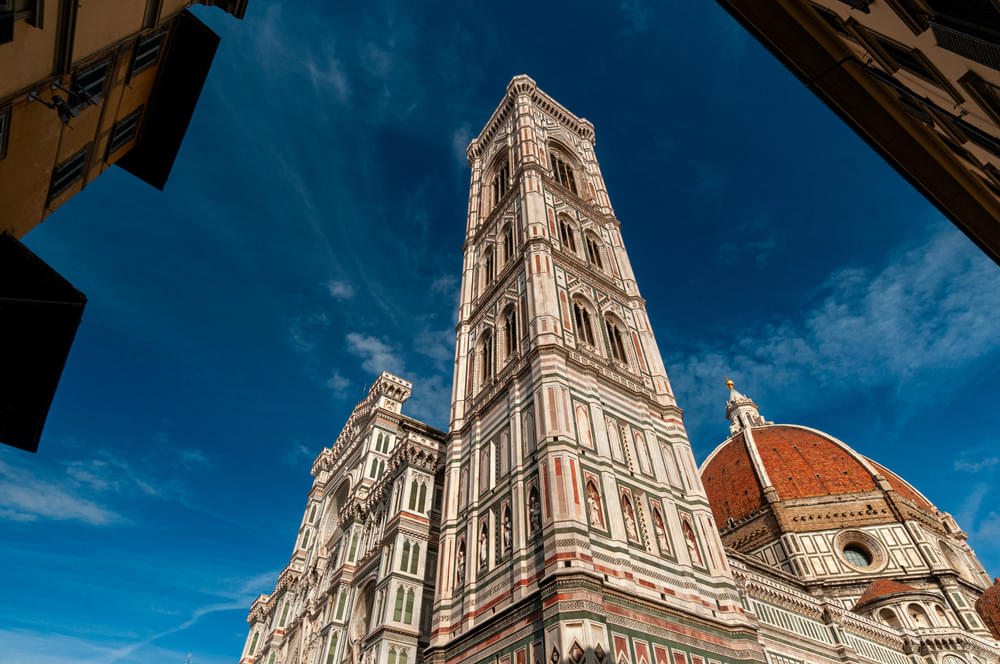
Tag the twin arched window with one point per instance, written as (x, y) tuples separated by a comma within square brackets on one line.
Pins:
[(566, 234), (508, 243), (584, 329), (509, 333), (562, 171), (594, 251), (615, 340), (489, 270), (501, 180), (486, 353)]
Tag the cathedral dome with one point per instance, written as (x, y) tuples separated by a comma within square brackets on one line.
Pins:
[(797, 462), (988, 608)]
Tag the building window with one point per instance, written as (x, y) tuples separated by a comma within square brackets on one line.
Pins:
[(615, 339), (422, 498), (415, 558), (501, 180), (858, 555), (68, 172), (253, 645), (488, 266), (397, 613), (331, 651), (312, 514), (124, 131), (4, 130), (508, 244), (584, 329), (594, 252), (986, 94), (566, 234), (562, 171), (284, 615), (88, 84), (888, 617), (12, 11), (147, 52), (404, 560), (894, 56)]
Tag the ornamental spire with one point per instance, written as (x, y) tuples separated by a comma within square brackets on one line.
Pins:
[(741, 411)]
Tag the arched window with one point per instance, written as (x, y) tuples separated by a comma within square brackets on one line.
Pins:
[(594, 251), (312, 514), (397, 612), (509, 333), (392, 656), (253, 645), (305, 539), (402, 657), (566, 235), (584, 328), (488, 266), (409, 607), (918, 616), (413, 496), (284, 615), (529, 432), (487, 355), (643, 453), (691, 541), (404, 560), (422, 498), (889, 617), (615, 340), (501, 179), (508, 244), (941, 615), (415, 559), (562, 171), (331, 651)]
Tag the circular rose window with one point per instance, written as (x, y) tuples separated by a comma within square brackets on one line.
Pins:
[(860, 550), (858, 555)]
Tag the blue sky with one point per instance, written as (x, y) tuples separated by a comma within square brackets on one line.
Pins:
[(310, 235)]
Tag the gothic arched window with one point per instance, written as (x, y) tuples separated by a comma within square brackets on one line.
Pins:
[(615, 340), (508, 244), (397, 612), (422, 498), (404, 560), (584, 328), (501, 179), (509, 333), (408, 618), (562, 171), (488, 267), (594, 251), (415, 559), (566, 235)]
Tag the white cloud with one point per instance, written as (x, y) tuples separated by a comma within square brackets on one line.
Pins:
[(28, 496), (971, 465), (460, 140), (338, 384), (297, 455), (899, 328), (376, 355), (194, 458), (303, 331), (439, 345), (340, 289)]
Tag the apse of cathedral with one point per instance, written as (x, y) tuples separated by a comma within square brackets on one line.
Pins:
[(562, 518)]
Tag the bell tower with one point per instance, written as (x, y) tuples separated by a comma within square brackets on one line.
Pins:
[(574, 523)]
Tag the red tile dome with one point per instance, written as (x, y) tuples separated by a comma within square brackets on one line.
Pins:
[(988, 608), (799, 462)]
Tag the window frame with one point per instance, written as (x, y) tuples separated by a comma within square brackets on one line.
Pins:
[(161, 36), (80, 98), (875, 44), (83, 155), (6, 113), (114, 141)]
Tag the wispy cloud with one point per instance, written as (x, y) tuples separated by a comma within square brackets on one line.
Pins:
[(750, 241), (897, 328), (376, 355), (28, 495), (304, 331), (298, 455), (339, 385), (638, 14), (340, 289)]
